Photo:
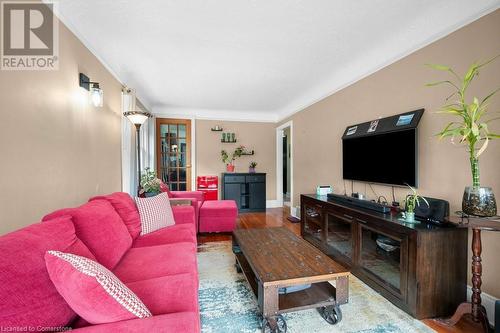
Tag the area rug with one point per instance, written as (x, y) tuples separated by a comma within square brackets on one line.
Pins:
[(228, 305)]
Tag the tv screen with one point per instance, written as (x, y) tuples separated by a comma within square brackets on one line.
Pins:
[(388, 158)]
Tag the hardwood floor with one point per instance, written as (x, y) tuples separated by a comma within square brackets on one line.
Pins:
[(277, 217)]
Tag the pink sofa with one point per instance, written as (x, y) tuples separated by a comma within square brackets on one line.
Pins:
[(160, 267)]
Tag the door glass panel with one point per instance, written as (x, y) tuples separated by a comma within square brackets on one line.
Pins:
[(173, 186), (182, 131), (381, 255), (172, 160), (173, 130), (313, 222), (182, 145), (340, 235), (182, 160), (172, 175), (182, 186), (182, 174), (163, 130)]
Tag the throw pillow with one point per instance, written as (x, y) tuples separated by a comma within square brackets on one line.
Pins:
[(91, 290), (164, 188), (155, 212)]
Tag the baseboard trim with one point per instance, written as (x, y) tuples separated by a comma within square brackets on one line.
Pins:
[(488, 302), (273, 204)]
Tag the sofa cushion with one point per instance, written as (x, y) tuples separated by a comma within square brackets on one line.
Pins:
[(167, 294), (100, 227), (185, 322), (173, 234), (125, 206), (91, 290), (150, 262), (28, 297), (155, 213)]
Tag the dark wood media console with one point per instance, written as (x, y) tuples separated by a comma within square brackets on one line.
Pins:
[(421, 268)]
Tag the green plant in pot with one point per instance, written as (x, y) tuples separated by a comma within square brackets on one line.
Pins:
[(228, 160), (150, 184), (251, 167), (411, 202), (472, 130)]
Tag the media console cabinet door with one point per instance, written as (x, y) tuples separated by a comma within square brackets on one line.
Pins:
[(383, 256)]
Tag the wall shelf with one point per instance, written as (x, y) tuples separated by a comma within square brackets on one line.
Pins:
[(228, 141), (217, 130)]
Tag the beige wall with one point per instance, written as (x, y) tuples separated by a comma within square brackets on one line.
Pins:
[(443, 169), (261, 137), (56, 150)]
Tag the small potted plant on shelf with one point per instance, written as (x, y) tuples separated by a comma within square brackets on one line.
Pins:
[(473, 131), (411, 202), (150, 184), (228, 160), (251, 167)]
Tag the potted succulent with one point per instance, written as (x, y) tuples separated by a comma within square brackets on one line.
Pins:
[(150, 184), (251, 167), (228, 160), (473, 131), (411, 202)]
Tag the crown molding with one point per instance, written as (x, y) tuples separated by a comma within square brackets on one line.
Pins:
[(221, 115)]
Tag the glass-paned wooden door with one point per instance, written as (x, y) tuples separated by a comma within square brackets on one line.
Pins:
[(173, 147)]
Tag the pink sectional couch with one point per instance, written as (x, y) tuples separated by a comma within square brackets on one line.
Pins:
[(160, 267)]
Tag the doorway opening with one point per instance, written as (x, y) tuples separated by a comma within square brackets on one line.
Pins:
[(284, 164)]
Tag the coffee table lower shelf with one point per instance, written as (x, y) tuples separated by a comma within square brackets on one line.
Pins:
[(321, 295)]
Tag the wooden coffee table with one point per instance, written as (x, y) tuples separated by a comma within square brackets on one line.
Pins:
[(273, 259)]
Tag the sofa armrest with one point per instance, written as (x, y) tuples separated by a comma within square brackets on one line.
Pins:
[(184, 214), (198, 195)]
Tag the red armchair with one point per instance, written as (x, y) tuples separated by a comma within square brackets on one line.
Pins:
[(195, 197)]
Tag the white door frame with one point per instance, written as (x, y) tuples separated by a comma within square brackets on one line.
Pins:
[(279, 162)]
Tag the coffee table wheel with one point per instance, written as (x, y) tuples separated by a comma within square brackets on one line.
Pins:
[(332, 314), (280, 325)]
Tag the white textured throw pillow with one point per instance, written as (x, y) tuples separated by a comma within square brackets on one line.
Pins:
[(99, 304), (155, 212)]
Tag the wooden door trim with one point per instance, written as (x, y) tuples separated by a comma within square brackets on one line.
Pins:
[(187, 122)]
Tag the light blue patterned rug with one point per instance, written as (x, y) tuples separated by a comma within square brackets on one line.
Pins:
[(228, 305)]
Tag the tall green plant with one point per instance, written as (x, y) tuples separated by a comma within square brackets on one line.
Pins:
[(472, 127)]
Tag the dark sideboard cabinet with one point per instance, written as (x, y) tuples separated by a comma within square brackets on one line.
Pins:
[(247, 189), (421, 268)]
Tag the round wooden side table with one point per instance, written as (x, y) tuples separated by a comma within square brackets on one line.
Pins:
[(474, 307)]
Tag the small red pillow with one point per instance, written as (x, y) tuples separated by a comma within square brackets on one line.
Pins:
[(91, 290)]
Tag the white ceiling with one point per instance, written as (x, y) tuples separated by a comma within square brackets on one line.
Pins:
[(255, 59)]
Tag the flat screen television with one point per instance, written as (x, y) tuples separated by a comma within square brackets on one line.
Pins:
[(387, 158)]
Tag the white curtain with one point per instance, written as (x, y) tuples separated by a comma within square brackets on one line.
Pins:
[(129, 144)]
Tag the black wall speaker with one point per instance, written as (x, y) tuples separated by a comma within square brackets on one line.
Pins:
[(497, 316)]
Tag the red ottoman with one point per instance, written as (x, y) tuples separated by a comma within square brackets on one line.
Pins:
[(218, 216)]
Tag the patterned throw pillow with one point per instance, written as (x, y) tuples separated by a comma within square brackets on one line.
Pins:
[(91, 290), (156, 213)]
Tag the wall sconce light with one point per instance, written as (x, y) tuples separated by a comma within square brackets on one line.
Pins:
[(95, 93)]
